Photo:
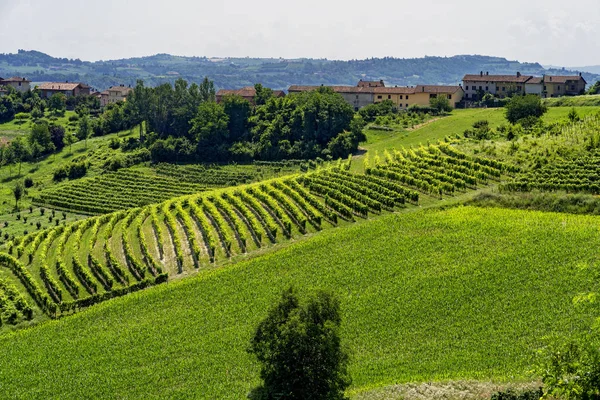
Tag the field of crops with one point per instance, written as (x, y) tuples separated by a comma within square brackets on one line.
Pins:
[(464, 293), (75, 265), (137, 187)]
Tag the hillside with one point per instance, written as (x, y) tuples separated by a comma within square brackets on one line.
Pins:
[(274, 73), (418, 306)]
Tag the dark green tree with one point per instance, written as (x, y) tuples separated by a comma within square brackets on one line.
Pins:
[(57, 102), (238, 110), (300, 352), (20, 151), (18, 191), (41, 138), (521, 107), (263, 94), (209, 130), (207, 90)]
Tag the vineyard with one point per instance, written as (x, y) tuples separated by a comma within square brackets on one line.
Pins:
[(75, 265), (580, 175), (137, 187)]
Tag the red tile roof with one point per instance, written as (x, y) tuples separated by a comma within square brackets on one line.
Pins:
[(124, 89), (247, 91), (382, 90), (15, 79), (536, 80)]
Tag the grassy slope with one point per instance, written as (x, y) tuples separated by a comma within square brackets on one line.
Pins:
[(14, 128), (463, 293), (454, 124)]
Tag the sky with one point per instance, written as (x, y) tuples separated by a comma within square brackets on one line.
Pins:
[(555, 32)]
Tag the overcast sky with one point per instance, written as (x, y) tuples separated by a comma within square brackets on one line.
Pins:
[(557, 32)]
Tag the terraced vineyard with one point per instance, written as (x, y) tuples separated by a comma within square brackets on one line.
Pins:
[(76, 265), (135, 187), (580, 175)]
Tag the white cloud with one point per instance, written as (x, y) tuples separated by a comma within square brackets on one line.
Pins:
[(548, 31)]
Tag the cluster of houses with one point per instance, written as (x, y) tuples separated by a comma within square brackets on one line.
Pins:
[(473, 89), (114, 94)]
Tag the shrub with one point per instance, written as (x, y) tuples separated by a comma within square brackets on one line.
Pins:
[(511, 394), (28, 182), (520, 107)]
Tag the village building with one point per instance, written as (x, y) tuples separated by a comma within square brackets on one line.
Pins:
[(247, 93), (535, 85), (557, 86), (475, 86), (118, 93), (403, 97), (18, 83), (66, 88)]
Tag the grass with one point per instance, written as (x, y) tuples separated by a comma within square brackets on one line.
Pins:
[(575, 101), (452, 125), (14, 128), (464, 293)]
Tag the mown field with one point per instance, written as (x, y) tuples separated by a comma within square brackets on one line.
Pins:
[(458, 294)]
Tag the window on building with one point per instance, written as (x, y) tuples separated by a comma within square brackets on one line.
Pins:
[(545, 87), (572, 87), (519, 88), (480, 87), (503, 89), (474, 87), (449, 97), (559, 88), (487, 88), (389, 96), (19, 83), (379, 97), (406, 97), (466, 95), (407, 106), (356, 97), (400, 97)]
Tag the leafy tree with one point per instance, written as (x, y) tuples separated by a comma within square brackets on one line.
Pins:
[(41, 139), (18, 191), (263, 94), (68, 140), (300, 351), (19, 150), (209, 129), (84, 130), (238, 111), (207, 90), (57, 102), (440, 104), (520, 107), (372, 111), (57, 135), (595, 88)]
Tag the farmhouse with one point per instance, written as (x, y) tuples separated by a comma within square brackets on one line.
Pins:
[(556, 86), (66, 88), (248, 93), (476, 86), (117, 94), (18, 83), (365, 93)]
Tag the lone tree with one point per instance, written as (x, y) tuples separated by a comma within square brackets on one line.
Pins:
[(18, 193), (521, 107), (300, 352)]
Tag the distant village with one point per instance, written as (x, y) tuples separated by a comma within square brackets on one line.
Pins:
[(475, 87)]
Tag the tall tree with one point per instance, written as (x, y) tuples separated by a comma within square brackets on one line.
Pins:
[(263, 94), (300, 351), (207, 90), (20, 151), (238, 110), (18, 190), (84, 130)]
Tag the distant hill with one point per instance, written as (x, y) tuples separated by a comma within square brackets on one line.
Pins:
[(275, 73)]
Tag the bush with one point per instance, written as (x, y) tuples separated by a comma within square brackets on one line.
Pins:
[(520, 107), (73, 170), (28, 182), (511, 394), (114, 143)]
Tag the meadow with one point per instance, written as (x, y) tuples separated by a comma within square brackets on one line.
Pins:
[(463, 293)]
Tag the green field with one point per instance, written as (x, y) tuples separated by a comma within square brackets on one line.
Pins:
[(455, 294), (455, 124), (11, 129)]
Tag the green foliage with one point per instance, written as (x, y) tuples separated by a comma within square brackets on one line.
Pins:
[(594, 89), (571, 371), (57, 102), (372, 111), (18, 191), (238, 111), (511, 394), (521, 107), (440, 104), (480, 131), (299, 349)]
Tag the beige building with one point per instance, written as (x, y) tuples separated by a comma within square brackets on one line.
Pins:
[(365, 93), (66, 88), (116, 94), (557, 86), (18, 83)]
